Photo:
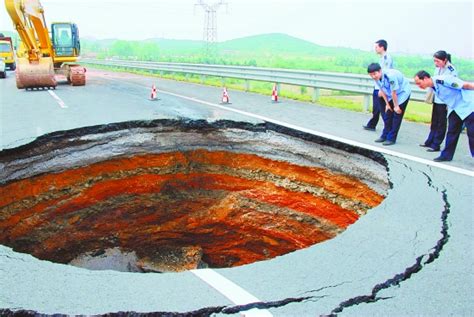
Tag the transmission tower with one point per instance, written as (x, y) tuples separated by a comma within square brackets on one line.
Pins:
[(210, 26)]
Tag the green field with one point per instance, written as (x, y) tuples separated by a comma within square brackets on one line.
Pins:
[(276, 51), (268, 50)]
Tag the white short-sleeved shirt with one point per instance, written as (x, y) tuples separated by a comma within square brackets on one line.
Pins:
[(393, 80), (448, 69), (386, 61), (449, 89)]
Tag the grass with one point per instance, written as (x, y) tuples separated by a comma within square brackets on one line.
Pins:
[(341, 103), (416, 111)]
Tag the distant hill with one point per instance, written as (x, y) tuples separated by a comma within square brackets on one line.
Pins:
[(179, 45), (267, 43), (265, 50), (281, 43), (275, 43)]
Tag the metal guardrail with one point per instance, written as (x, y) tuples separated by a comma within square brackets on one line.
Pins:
[(359, 84)]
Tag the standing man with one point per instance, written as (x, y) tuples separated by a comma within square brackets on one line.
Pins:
[(395, 90), (459, 97), (385, 62)]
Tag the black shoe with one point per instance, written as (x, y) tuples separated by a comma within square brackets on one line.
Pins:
[(388, 142), (366, 127), (432, 150), (424, 145), (380, 140), (441, 159)]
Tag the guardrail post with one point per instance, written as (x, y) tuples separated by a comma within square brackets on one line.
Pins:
[(202, 78), (366, 104), (247, 85), (223, 81), (315, 94)]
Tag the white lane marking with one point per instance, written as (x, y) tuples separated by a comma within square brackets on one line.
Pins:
[(332, 137), (232, 291), (58, 100)]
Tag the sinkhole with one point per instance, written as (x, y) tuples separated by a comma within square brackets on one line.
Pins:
[(174, 195)]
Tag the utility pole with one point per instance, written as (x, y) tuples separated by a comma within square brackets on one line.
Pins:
[(210, 26)]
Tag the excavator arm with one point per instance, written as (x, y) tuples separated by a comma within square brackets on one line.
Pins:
[(40, 59), (35, 66), (29, 21)]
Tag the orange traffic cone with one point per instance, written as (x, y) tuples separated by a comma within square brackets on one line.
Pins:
[(275, 93), (225, 97), (153, 93)]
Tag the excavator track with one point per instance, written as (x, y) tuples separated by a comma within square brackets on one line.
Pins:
[(77, 75)]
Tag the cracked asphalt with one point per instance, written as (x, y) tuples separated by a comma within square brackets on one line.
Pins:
[(412, 255)]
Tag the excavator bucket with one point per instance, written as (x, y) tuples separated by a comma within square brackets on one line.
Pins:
[(37, 74)]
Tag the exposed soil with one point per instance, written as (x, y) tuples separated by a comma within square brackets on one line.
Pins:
[(175, 195)]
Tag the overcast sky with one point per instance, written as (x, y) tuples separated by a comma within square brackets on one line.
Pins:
[(410, 26)]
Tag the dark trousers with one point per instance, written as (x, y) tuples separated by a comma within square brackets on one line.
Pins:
[(439, 123), (392, 122), (454, 130), (377, 110)]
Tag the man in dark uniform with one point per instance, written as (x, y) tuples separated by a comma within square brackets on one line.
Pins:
[(395, 90), (459, 97)]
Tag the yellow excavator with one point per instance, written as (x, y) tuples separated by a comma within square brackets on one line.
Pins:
[(40, 56)]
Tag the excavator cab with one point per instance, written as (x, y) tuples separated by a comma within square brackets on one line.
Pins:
[(67, 46), (44, 53)]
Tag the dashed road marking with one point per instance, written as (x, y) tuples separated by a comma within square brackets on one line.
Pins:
[(232, 291), (58, 100)]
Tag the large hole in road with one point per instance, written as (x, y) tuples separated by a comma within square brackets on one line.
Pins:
[(167, 196)]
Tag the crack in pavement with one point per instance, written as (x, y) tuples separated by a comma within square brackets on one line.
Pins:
[(266, 305), (326, 287), (420, 262), (430, 182), (203, 312), (409, 271)]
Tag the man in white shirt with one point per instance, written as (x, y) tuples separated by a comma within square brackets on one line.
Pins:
[(385, 62)]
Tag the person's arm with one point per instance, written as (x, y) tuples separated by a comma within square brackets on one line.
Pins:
[(396, 107), (455, 83), (385, 98), (394, 86), (468, 85)]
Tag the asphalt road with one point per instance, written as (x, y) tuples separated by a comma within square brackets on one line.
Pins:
[(411, 255)]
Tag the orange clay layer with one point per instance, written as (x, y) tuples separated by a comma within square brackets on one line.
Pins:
[(239, 208)]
